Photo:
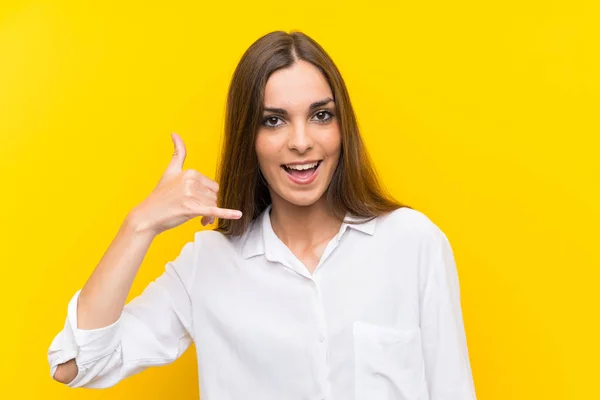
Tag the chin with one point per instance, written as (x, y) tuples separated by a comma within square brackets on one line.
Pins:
[(302, 199), (302, 202)]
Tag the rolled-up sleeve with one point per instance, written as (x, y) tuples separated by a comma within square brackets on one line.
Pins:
[(447, 365), (154, 328)]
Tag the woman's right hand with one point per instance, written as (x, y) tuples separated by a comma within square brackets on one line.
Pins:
[(178, 197)]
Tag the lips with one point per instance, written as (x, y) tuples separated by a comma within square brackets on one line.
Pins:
[(303, 177)]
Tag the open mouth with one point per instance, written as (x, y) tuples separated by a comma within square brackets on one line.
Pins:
[(302, 174)]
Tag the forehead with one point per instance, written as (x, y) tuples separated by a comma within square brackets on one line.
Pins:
[(296, 87)]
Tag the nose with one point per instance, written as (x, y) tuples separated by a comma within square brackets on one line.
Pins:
[(299, 138)]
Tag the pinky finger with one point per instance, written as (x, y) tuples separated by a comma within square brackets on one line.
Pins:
[(207, 220)]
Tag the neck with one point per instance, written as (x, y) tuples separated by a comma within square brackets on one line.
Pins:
[(303, 226)]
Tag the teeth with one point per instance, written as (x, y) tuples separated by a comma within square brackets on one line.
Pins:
[(301, 167)]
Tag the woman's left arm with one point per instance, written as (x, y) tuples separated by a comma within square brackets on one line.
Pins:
[(447, 365)]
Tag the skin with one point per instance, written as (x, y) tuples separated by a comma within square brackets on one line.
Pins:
[(300, 216)]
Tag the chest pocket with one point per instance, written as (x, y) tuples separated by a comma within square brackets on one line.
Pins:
[(388, 363)]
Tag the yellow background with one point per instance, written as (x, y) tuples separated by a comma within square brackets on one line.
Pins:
[(483, 115)]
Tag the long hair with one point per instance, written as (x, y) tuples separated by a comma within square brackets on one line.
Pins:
[(354, 187)]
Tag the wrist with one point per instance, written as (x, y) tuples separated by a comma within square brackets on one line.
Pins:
[(136, 224)]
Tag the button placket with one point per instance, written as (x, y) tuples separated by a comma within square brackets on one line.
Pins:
[(321, 323), (321, 339)]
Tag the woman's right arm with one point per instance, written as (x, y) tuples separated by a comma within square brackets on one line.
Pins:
[(104, 340), (102, 299)]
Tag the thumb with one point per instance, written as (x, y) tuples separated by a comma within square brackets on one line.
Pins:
[(179, 153)]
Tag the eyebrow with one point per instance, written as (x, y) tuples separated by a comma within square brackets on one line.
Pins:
[(313, 106)]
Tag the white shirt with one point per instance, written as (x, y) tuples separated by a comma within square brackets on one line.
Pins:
[(379, 318)]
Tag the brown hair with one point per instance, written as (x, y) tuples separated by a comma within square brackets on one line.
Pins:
[(354, 187)]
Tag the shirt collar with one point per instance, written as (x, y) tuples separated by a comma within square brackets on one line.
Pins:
[(260, 237)]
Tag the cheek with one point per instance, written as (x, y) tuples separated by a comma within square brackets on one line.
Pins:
[(332, 142), (266, 150)]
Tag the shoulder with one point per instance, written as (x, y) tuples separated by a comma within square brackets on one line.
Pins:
[(212, 240), (216, 247), (411, 232), (406, 222)]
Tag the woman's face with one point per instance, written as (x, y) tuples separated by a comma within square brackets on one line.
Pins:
[(299, 130)]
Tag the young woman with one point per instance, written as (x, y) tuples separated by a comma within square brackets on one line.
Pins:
[(315, 284)]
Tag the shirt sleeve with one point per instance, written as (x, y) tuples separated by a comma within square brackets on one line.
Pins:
[(447, 366), (153, 329)]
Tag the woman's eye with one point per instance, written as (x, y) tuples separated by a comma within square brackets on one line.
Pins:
[(271, 122), (323, 116)]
